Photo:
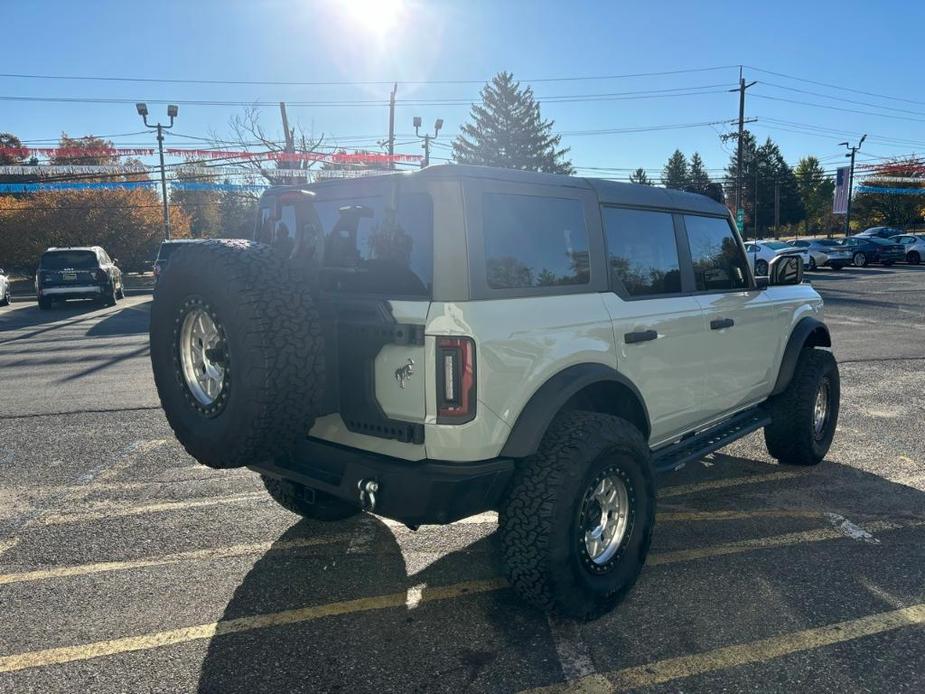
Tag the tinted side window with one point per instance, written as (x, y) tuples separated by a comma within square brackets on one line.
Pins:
[(533, 241), (642, 252), (718, 262)]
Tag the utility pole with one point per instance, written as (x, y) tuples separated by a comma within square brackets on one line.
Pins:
[(738, 192), (392, 126), (852, 152), (427, 137), (776, 208), (172, 113), (755, 208)]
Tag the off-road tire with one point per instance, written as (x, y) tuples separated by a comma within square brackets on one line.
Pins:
[(44, 303), (791, 437), (274, 368), (761, 268), (308, 503), (540, 538)]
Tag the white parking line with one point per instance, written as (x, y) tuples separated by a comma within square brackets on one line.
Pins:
[(106, 511), (574, 654)]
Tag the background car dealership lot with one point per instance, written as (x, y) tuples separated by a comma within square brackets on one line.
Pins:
[(121, 560)]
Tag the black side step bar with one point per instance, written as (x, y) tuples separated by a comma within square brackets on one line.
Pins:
[(710, 440)]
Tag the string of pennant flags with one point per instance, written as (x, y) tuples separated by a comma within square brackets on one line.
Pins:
[(60, 153)]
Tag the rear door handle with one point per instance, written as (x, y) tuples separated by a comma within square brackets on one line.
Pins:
[(641, 336), (721, 323)]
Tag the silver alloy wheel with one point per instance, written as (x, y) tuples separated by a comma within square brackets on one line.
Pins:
[(821, 409), (859, 260), (606, 518), (200, 360)]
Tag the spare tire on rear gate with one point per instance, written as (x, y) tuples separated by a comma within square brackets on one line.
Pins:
[(236, 350)]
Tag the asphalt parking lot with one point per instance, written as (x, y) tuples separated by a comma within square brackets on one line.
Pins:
[(125, 566)]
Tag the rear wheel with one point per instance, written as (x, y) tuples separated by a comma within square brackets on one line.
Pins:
[(805, 415), (812, 263), (577, 521), (761, 267), (308, 503), (237, 353), (914, 258), (859, 260)]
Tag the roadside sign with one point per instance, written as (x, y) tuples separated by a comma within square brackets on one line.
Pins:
[(740, 220)]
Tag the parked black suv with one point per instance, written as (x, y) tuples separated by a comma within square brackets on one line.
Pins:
[(163, 255), (85, 272)]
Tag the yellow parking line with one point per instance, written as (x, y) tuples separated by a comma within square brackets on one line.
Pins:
[(687, 516), (8, 544), (104, 511), (759, 651), (67, 654), (766, 542), (193, 555), (681, 489)]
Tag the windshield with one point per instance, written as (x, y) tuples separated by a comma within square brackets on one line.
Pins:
[(366, 246), (775, 245), (70, 260), (167, 248)]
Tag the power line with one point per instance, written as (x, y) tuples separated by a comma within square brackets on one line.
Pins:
[(162, 80), (836, 108), (765, 83), (561, 98), (835, 86)]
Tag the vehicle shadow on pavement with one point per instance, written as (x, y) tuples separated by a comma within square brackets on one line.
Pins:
[(384, 617), (21, 316), (131, 320)]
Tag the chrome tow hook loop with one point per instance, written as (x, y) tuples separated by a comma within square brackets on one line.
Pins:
[(368, 490)]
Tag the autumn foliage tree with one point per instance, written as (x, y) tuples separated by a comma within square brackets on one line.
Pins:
[(127, 223)]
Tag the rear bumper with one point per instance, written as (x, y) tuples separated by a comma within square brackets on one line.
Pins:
[(412, 492), (75, 292)]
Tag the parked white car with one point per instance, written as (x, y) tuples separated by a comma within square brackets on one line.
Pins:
[(760, 254), (914, 246), (4, 288)]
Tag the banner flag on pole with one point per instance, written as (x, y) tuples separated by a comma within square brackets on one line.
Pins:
[(840, 203)]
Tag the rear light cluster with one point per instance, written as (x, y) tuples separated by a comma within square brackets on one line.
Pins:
[(455, 380)]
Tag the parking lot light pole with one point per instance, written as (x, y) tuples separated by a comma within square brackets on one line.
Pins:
[(427, 137), (172, 113), (852, 151)]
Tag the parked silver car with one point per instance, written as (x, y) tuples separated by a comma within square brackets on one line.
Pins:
[(914, 245), (824, 253)]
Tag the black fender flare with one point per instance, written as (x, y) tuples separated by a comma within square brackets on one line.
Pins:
[(548, 400), (808, 331)]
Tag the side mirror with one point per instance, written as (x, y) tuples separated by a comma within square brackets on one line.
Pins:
[(785, 269)]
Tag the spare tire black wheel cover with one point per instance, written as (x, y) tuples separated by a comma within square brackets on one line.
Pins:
[(237, 353)]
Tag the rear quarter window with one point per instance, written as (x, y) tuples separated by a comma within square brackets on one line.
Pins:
[(534, 241)]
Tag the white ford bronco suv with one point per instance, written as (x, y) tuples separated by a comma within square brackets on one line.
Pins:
[(431, 345)]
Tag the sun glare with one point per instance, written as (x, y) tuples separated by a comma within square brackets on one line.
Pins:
[(378, 17)]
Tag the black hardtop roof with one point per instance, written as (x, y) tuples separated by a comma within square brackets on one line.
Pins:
[(612, 192)]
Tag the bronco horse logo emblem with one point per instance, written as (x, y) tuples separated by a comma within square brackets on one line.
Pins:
[(404, 373)]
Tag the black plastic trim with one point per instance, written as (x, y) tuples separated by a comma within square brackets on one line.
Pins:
[(548, 400), (413, 492), (801, 332)]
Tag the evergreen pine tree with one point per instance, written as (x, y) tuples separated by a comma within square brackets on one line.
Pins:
[(506, 130), (698, 178), (675, 174), (639, 176)]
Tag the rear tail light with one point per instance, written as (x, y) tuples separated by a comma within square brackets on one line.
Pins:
[(455, 380)]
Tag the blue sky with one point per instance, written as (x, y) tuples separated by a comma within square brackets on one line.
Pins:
[(868, 46)]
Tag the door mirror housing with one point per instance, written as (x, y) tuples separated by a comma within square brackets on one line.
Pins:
[(785, 269)]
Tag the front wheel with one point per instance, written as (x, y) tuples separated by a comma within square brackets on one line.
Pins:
[(761, 267), (859, 260), (804, 416), (577, 521), (812, 263)]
